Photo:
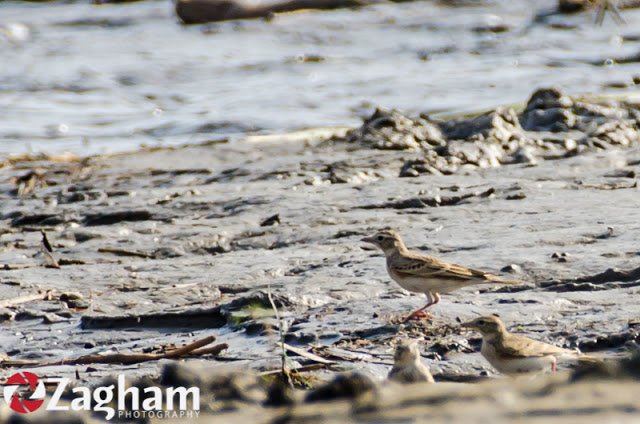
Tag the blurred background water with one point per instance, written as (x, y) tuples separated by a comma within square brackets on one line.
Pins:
[(105, 78)]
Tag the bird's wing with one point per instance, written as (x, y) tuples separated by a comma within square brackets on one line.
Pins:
[(427, 266), (514, 346)]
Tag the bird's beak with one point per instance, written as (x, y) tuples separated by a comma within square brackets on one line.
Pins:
[(367, 240)]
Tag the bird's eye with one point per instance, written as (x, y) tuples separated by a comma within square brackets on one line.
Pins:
[(380, 238)]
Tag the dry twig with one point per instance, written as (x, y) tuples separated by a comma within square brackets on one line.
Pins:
[(192, 349), (125, 252), (47, 295), (284, 370)]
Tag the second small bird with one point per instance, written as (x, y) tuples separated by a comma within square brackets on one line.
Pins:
[(514, 354), (426, 274)]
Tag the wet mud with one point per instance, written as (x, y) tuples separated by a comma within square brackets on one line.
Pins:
[(163, 247)]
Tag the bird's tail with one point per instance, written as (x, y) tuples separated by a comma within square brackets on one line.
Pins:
[(494, 279), (587, 359)]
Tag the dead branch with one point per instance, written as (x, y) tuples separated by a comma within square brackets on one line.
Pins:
[(308, 355), (125, 252), (191, 349), (10, 267), (305, 368), (213, 350), (48, 295)]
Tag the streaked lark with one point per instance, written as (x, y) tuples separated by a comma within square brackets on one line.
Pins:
[(408, 367), (426, 274), (513, 354)]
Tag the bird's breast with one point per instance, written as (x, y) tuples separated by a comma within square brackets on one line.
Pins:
[(410, 374), (426, 284)]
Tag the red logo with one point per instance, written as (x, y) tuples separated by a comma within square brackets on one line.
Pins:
[(24, 399)]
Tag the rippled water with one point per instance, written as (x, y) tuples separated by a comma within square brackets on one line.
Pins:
[(89, 79)]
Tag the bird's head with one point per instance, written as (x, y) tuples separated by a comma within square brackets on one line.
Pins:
[(388, 241), (406, 352), (489, 326)]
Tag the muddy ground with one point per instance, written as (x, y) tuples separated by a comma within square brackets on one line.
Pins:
[(167, 246)]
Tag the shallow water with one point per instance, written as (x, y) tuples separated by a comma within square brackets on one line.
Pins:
[(92, 79)]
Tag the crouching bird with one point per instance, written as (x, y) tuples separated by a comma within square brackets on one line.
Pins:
[(407, 366), (513, 354)]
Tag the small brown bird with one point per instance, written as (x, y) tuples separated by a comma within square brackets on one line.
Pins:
[(426, 274), (513, 354), (408, 367)]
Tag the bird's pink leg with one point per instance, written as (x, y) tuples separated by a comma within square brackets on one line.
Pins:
[(554, 366), (419, 313)]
